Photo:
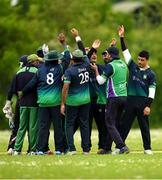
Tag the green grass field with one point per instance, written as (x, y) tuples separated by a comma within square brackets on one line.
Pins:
[(135, 165)]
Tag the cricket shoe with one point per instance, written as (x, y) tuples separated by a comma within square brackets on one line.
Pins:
[(116, 151), (40, 153), (31, 153), (103, 151), (123, 150), (148, 152), (85, 153), (72, 153), (58, 153), (49, 152), (10, 151), (16, 153)]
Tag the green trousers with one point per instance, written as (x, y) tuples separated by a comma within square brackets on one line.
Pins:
[(28, 122)]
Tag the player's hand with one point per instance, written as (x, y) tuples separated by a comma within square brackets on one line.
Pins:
[(94, 67), (121, 31), (45, 49), (147, 111), (74, 32), (10, 116), (7, 107), (61, 38), (63, 109), (113, 42), (96, 44)]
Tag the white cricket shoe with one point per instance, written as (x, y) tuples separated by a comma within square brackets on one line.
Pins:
[(71, 153), (85, 153), (148, 151), (10, 151), (116, 151), (31, 153), (123, 150), (16, 153)]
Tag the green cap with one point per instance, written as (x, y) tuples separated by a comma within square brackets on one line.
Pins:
[(53, 56), (33, 57), (77, 53)]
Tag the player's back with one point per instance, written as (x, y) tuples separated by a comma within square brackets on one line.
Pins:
[(78, 77), (49, 84)]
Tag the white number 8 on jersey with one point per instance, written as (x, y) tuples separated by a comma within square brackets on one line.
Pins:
[(50, 79)]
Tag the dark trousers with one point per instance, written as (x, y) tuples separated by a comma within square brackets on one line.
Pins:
[(16, 126), (134, 108), (105, 140), (113, 114), (46, 116), (65, 143), (80, 114), (97, 112)]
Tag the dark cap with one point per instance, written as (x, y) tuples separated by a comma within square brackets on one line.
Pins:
[(113, 51), (23, 59)]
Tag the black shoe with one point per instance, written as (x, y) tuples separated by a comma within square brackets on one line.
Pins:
[(103, 151), (124, 150)]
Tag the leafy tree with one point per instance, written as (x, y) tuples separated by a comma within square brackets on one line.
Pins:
[(28, 25)]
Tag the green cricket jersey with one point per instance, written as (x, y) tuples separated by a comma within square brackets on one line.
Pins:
[(117, 81), (139, 80), (78, 77)]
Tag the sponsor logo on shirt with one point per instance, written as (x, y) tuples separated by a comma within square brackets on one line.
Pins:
[(138, 80)]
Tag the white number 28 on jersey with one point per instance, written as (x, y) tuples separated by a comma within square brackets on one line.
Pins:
[(50, 79), (84, 77)]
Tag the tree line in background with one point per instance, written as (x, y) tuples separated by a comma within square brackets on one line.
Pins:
[(25, 27)]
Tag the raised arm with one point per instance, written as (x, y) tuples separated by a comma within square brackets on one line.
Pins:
[(126, 53), (65, 63), (75, 34), (113, 42), (95, 46)]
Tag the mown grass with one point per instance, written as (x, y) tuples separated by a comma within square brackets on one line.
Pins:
[(135, 165)]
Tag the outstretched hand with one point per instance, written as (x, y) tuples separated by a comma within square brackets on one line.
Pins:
[(45, 49), (96, 44), (113, 42), (121, 31), (74, 32), (61, 38)]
